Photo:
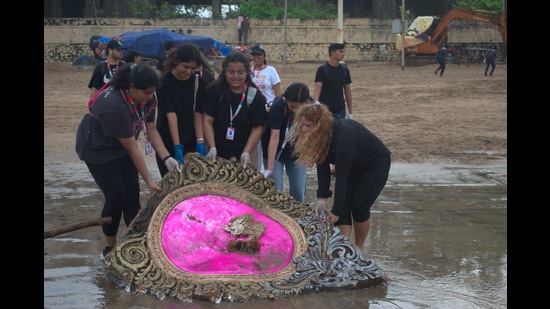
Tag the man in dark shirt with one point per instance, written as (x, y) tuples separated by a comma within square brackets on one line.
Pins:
[(441, 57), (333, 83), (490, 61)]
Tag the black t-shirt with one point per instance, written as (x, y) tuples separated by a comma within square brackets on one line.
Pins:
[(353, 148), (103, 73), (247, 118), (109, 119), (332, 91), (177, 96), (278, 120)]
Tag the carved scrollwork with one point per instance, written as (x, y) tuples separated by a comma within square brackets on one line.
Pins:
[(153, 257)]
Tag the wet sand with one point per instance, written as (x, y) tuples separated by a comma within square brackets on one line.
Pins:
[(439, 227)]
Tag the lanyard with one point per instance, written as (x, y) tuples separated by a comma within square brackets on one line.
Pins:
[(231, 115), (109, 68), (257, 73), (287, 131), (141, 118)]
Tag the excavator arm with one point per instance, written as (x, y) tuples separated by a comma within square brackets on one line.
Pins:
[(440, 32)]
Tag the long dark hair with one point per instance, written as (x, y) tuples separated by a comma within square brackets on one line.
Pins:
[(186, 52), (141, 76), (221, 85)]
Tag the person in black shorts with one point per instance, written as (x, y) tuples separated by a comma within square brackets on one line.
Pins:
[(363, 166)]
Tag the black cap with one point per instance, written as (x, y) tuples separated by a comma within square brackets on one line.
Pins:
[(257, 49), (115, 44)]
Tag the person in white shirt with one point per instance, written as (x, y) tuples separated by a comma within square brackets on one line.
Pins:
[(268, 81)]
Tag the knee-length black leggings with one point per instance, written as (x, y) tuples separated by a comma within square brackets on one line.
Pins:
[(363, 189), (119, 181)]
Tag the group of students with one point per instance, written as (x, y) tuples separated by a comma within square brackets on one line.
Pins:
[(226, 118)]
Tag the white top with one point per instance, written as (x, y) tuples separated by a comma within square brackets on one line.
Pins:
[(265, 79)]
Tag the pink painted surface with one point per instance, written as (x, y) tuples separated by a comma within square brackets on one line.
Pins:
[(194, 240)]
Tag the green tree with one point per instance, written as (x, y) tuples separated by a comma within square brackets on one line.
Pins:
[(493, 6), (275, 9), (142, 9)]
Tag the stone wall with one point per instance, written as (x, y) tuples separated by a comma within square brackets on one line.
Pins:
[(307, 40)]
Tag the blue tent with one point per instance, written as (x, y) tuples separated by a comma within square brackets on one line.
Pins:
[(150, 43)]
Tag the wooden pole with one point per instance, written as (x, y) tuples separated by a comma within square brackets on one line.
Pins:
[(77, 226)]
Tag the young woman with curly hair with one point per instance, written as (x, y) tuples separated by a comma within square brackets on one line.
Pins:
[(363, 161)]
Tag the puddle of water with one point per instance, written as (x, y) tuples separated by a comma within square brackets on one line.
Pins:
[(438, 232)]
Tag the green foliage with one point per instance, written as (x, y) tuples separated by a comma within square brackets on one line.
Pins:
[(409, 14), (167, 11), (494, 6), (142, 9), (275, 9)]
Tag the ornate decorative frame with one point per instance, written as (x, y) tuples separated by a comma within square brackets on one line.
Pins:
[(322, 257)]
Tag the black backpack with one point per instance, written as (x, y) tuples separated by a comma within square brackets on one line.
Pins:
[(325, 70)]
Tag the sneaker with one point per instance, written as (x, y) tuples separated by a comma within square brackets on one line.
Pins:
[(485, 74)]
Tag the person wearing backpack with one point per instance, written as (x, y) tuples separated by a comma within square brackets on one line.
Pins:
[(333, 83), (105, 70), (180, 91), (277, 151), (233, 111), (106, 142)]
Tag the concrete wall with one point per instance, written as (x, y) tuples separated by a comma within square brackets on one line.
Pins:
[(366, 39)]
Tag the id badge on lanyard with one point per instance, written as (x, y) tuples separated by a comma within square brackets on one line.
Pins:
[(230, 135)]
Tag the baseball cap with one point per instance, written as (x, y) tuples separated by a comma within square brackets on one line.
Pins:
[(257, 49), (115, 44)]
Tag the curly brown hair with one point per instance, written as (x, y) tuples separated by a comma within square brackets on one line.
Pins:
[(312, 147)]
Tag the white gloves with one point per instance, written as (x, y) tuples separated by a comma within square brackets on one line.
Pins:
[(267, 173), (171, 164), (245, 159), (212, 153), (320, 206), (349, 116)]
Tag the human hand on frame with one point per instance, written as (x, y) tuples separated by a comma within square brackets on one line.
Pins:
[(320, 206), (331, 218), (212, 153), (201, 149), (245, 159), (178, 150), (267, 173), (153, 186), (171, 164)]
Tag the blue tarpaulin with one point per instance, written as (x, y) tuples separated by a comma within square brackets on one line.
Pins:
[(150, 43)]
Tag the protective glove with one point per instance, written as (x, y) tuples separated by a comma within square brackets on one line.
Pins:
[(245, 159), (212, 153), (171, 164), (178, 153), (267, 173), (320, 206), (349, 116), (201, 149)]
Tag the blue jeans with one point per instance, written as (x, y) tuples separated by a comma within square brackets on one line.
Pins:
[(341, 114), (296, 178)]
